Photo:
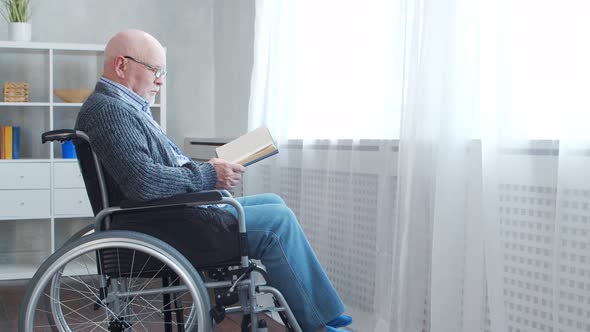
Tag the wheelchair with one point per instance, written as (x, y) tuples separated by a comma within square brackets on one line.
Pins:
[(106, 279)]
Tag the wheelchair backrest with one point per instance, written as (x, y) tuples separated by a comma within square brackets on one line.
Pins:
[(93, 175)]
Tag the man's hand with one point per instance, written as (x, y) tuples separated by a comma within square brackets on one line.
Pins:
[(228, 174)]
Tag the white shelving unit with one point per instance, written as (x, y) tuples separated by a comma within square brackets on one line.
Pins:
[(42, 196)]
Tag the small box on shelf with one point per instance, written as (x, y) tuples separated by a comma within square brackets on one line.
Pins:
[(15, 91)]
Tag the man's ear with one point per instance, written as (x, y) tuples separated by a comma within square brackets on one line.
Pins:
[(120, 66)]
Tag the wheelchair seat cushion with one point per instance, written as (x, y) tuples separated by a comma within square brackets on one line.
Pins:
[(206, 236)]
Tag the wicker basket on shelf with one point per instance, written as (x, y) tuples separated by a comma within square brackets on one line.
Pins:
[(16, 92)]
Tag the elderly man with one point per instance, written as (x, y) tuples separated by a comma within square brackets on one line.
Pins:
[(145, 165)]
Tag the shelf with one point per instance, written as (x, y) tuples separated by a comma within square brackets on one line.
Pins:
[(65, 160), (54, 46), (18, 271), (34, 104), (28, 104), (25, 218), (80, 105), (72, 216), (14, 271), (67, 104), (25, 160)]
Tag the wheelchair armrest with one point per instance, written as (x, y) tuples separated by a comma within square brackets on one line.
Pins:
[(225, 193), (61, 135), (189, 199), (196, 198)]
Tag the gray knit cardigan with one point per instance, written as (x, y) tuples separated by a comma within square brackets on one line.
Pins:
[(137, 156)]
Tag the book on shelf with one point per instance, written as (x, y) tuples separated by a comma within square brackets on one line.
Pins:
[(1, 142), (7, 131), (9, 142), (249, 148), (15, 142)]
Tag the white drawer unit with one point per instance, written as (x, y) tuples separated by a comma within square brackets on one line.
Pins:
[(25, 204), (67, 175), (70, 202), (24, 176)]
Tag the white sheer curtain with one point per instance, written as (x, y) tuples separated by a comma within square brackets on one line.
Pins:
[(533, 110), (330, 90), (439, 273), (477, 219)]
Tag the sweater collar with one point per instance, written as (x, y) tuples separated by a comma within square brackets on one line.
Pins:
[(124, 94)]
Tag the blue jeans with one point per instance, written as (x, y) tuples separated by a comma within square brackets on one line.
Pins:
[(276, 238)]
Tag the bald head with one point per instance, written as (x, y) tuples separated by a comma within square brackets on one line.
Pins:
[(136, 43), (142, 47)]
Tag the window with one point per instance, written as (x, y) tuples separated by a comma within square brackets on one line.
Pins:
[(347, 76)]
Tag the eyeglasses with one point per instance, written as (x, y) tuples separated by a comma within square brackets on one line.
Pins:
[(159, 72)]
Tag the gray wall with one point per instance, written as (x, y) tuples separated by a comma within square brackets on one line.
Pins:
[(209, 46), (234, 40)]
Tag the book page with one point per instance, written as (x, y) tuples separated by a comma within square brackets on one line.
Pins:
[(246, 148), (257, 155)]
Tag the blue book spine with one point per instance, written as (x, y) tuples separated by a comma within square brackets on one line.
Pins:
[(15, 142)]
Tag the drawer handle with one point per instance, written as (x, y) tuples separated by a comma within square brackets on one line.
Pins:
[(22, 176), (22, 204), (79, 202)]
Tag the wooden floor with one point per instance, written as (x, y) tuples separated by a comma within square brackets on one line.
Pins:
[(11, 293)]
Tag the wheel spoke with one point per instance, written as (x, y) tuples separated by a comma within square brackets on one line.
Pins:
[(72, 310), (131, 271), (83, 283), (96, 298), (155, 274)]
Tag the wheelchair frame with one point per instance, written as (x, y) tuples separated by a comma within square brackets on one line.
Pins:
[(245, 285)]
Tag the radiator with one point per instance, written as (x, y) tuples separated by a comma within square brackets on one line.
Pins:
[(334, 190)]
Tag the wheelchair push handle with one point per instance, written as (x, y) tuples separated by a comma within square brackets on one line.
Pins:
[(61, 135)]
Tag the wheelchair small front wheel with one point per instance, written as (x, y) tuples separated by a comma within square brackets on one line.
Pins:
[(116, 281)]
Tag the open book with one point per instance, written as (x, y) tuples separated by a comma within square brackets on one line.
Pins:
[(249, 148)]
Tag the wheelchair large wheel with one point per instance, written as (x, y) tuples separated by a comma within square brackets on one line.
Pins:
[(56, 311), (116, 281)]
